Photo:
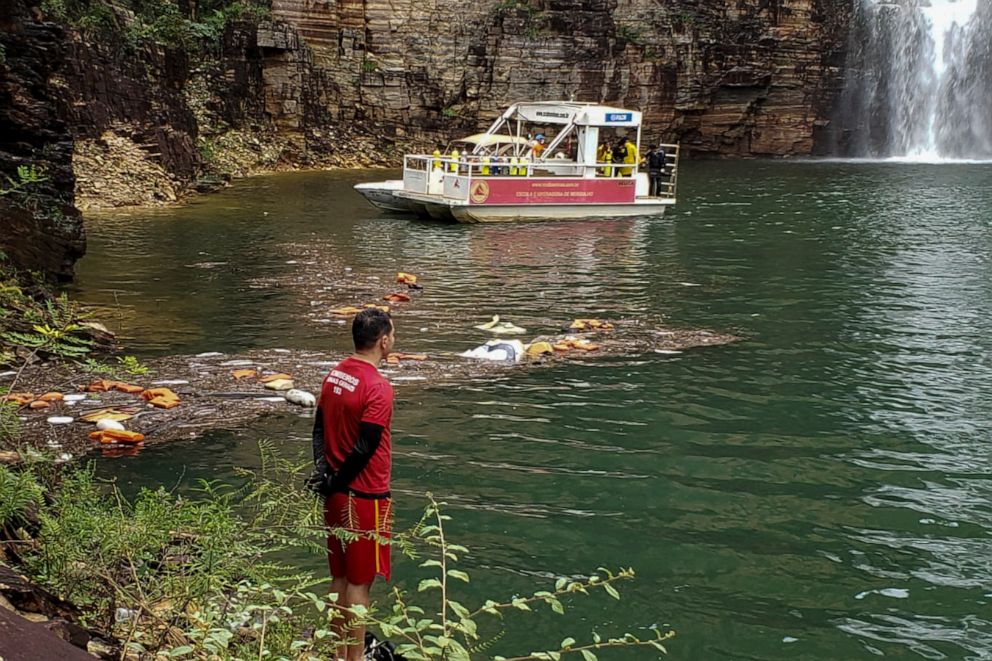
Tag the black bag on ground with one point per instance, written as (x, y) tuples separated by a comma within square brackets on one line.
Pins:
[(380, 650)]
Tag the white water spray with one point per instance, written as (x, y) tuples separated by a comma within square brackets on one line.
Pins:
[(918, 83)]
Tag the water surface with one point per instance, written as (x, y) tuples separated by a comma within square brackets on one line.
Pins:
[(819, 491)]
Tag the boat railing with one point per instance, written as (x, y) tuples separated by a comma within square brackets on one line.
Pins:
[(425, 173)]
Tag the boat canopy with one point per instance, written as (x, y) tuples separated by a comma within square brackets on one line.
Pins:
[(571, 112), (487, 140)]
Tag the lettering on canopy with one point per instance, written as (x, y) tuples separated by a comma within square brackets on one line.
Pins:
[(552, 191), (616, 117)]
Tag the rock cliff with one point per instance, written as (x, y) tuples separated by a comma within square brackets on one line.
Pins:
[(40, 229), (356, 82), (724, 77)]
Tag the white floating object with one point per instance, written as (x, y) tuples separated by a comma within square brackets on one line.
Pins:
[(60, 420), (209, 354), (106, 424), (281, 350), (789, 639), (170, 382), (409, 378), (667, 352), (895, 593), (236, 363), (301, 397), (510, 351)]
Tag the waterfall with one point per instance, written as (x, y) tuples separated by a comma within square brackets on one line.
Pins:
[(919, 81)]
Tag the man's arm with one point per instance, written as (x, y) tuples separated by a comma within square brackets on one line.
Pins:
[(369, 438), (319, 459)]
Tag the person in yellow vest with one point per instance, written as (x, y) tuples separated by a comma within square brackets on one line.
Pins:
[(437, 158), (513, 166), (455, 155), (607, 158), (485, 172), (522, 166), (626, 153)]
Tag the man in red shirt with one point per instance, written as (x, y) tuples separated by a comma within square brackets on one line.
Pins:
[(353, 458)]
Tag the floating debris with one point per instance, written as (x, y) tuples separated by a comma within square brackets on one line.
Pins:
[(501, 327), (301, 398)]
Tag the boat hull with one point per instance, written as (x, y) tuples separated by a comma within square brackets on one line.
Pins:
[(436, 208), (382, 195)]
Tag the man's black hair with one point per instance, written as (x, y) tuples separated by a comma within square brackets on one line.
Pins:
[(370, 324)]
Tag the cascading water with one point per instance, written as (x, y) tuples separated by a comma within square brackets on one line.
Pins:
[(919, 81)]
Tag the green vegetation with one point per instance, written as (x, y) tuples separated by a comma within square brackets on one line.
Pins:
[(631, 34), (40, 324), (195, 27), (369, 65), (683, 20), (27, 176), (199, 576)]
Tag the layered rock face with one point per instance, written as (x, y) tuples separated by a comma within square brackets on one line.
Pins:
[(728, 77), (40, 229)]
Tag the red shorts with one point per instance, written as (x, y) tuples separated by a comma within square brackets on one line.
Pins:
[(360, 560)]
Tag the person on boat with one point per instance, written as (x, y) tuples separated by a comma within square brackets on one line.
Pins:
[(437, 157), (604, 154), (655, 162), (538, 147), (352, 454), (455, 155), (625, 152)]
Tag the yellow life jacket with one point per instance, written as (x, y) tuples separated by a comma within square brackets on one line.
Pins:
[(485, 166), (513, 166), (608, 158), (437, 159), (455, 156), (522, 166)]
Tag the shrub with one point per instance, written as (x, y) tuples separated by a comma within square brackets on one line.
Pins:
[(198, 577)]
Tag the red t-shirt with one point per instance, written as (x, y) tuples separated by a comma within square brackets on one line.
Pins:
[(355, 392)]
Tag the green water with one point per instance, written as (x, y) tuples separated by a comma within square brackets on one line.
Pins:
[(819, 491)]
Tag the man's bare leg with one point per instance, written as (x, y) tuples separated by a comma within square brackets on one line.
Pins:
[(355, 595), (339, 586)]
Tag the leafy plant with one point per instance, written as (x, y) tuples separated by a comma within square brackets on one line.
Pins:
[(453, 631), (27, 175), (132, 366), (369, 65), (196, 576), (55, 333), (10, 425), (630, 34), (18, 492)]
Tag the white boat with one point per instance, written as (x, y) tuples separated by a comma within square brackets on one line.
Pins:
[(506, 176)]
